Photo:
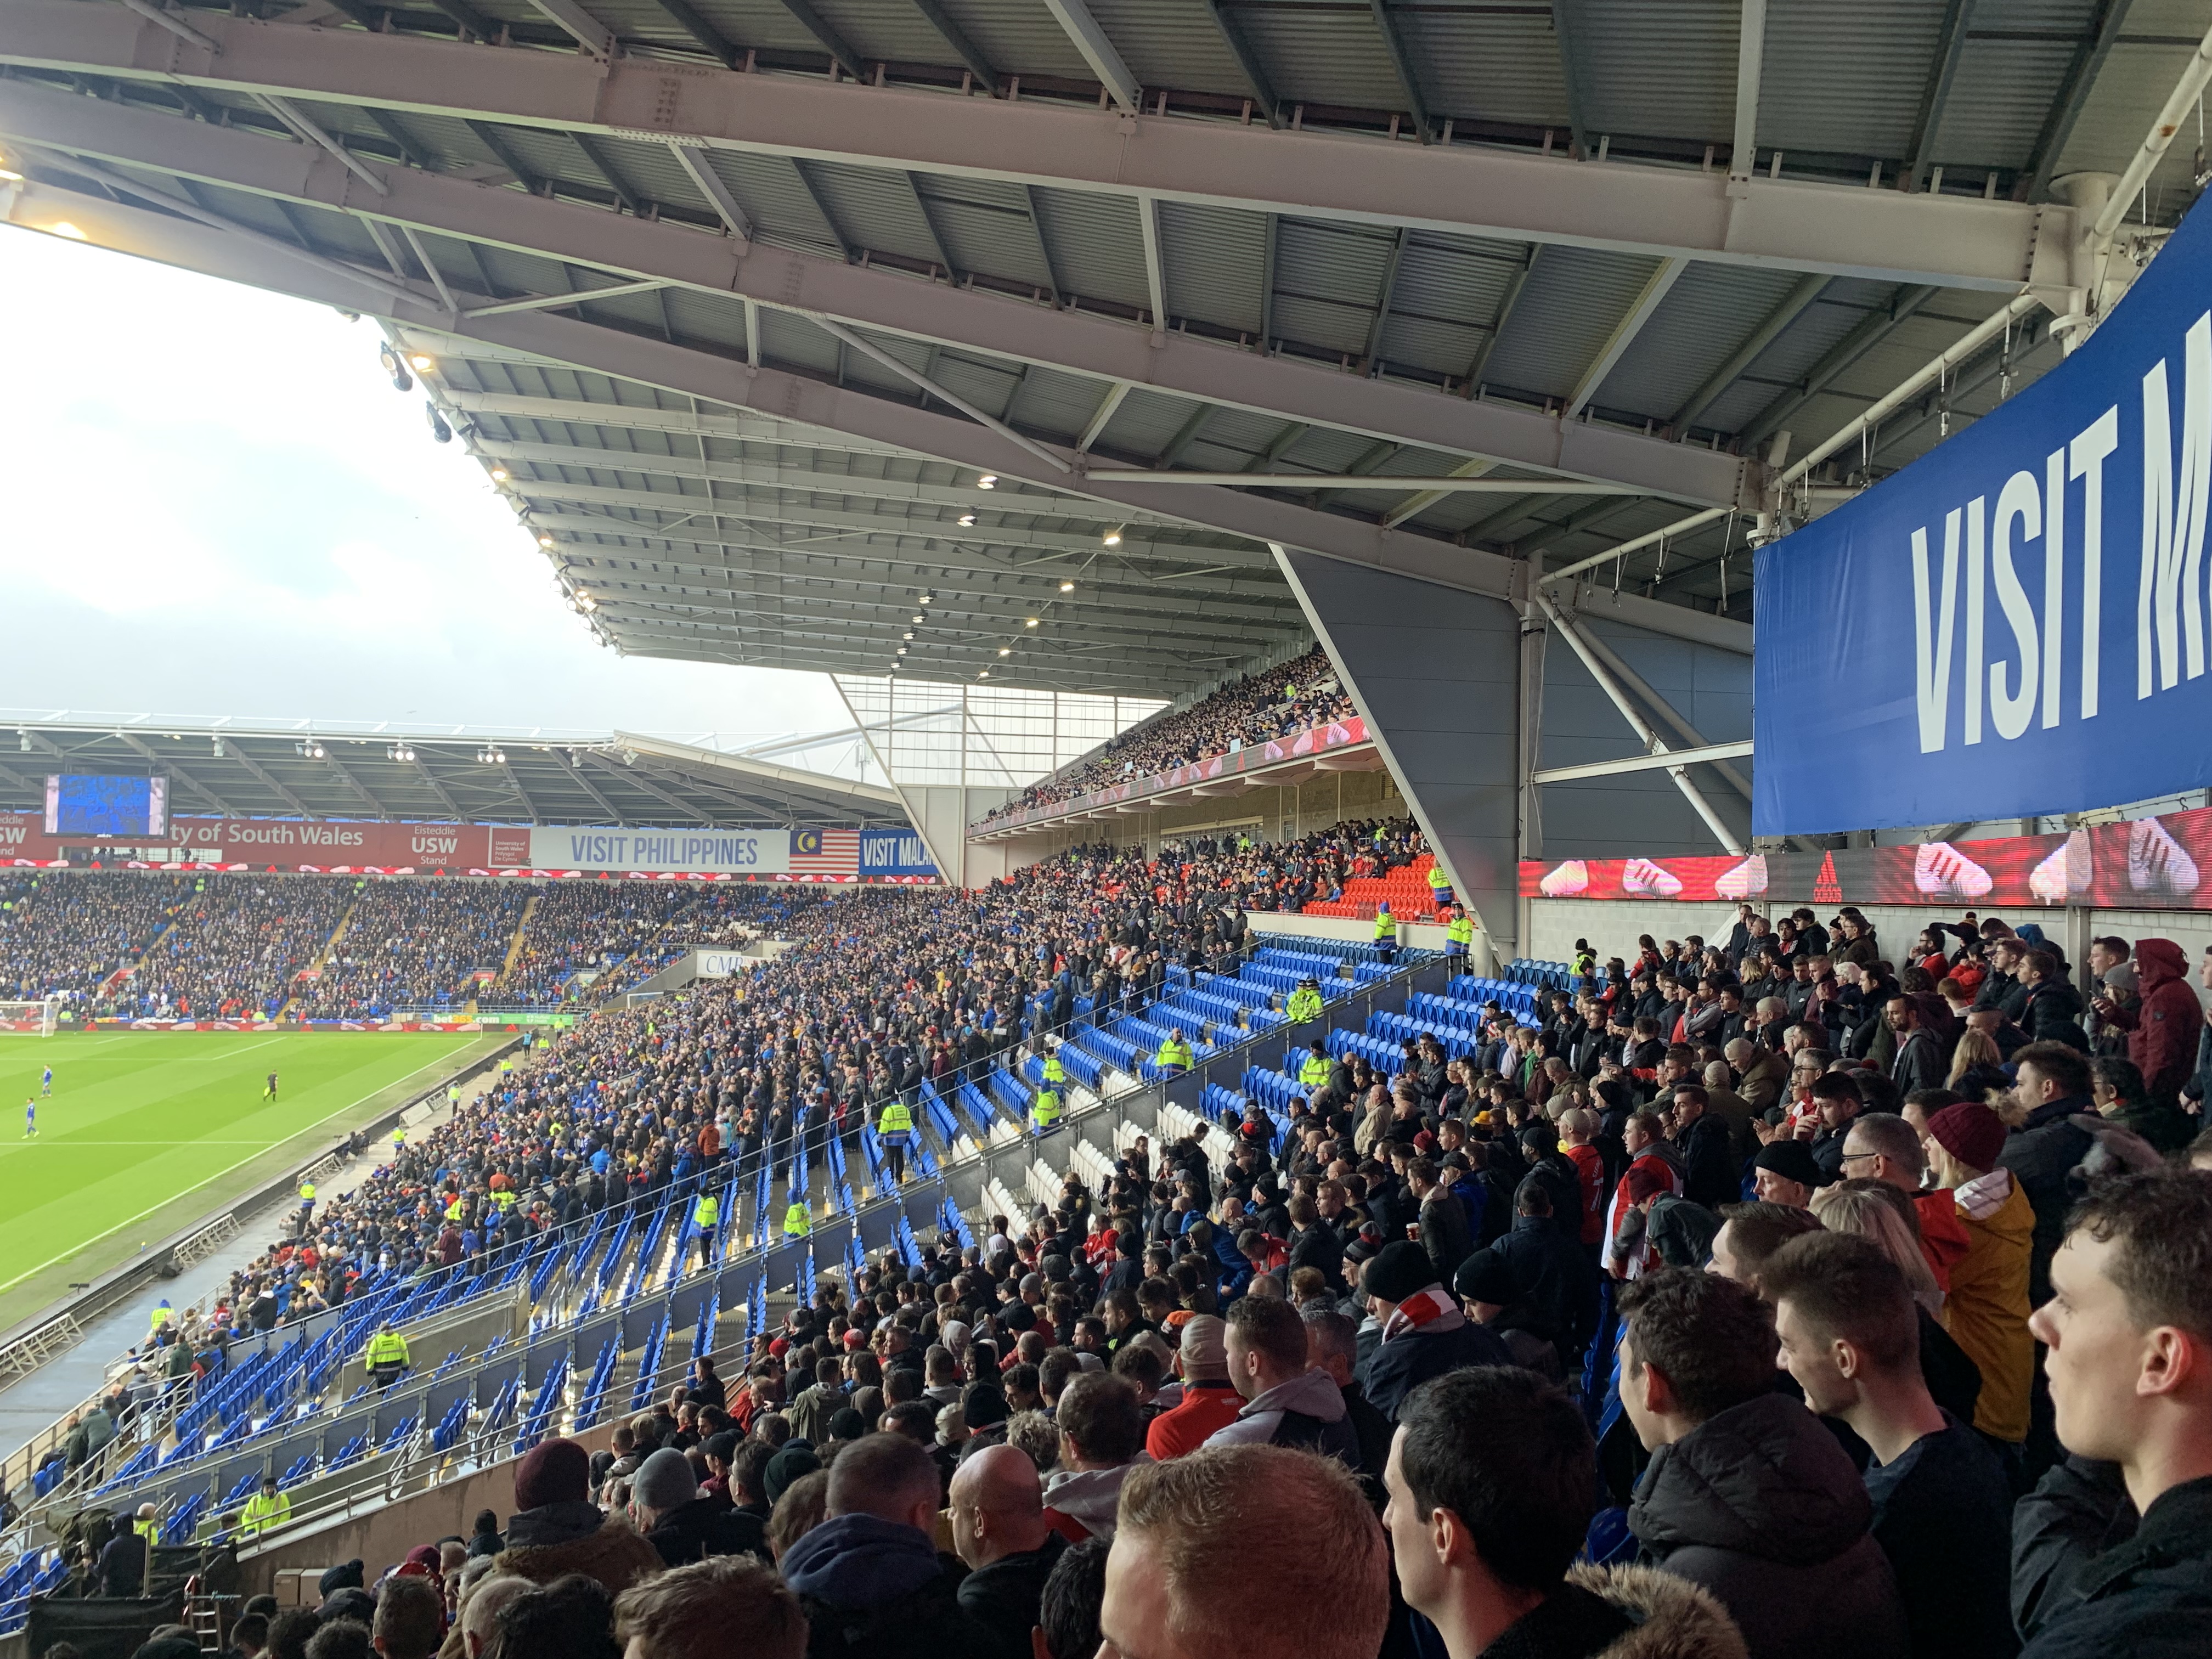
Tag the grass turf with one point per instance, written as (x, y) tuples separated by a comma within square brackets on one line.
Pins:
[(148, 1130)]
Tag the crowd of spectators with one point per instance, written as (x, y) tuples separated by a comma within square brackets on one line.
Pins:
[(1638, 1329), (68, 935), (1297, 696), (414, 944)]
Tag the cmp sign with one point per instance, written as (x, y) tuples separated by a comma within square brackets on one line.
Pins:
[(2015, 624)]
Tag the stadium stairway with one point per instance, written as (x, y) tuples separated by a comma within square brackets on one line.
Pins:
[(571, 1332), (514, 945), (323, 956)]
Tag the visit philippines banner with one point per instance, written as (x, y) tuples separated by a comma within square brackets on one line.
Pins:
[(2014, 624)]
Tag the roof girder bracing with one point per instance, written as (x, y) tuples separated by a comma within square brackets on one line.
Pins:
[(996, 326), (1655, 211)]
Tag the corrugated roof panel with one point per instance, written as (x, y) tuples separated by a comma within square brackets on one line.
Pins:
[(1328, 279), (774, 197), (1018, 37), (875, 208), (1845, 79), (1706, 315), (1998, 104), (899, 34), (1212, 258), (1568, 307), (2121, 108), (765, 23), (1055, 401), (789, 339), (1491, 62), (1661, 69), (1324, 53), (986, 226), (1818, 330), (1441, 306), (1170, 43), (1096, 245), (1144, 424)]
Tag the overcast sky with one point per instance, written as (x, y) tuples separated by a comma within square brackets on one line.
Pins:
[(217, 504)]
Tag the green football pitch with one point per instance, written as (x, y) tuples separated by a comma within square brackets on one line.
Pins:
[(146, 1131)]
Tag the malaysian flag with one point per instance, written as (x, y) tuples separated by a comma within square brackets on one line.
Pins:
[(825, 855)]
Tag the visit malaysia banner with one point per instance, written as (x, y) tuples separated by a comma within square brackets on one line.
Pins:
[(2016, 624)]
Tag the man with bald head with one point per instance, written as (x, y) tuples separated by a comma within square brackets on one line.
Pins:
[(869, 1577), (480, 1613), (999, 1530)]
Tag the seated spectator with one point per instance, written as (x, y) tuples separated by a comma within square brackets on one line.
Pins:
[(1746, 1493), (869, 1578), (725, 1604), (1184, 1579), (1102, 1442), (1850, 1331), (557, 1530), (2130, 1335), (1000, 1529), (1492, 1479)]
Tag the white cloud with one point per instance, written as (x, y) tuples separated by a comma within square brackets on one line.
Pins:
[(217, 504)]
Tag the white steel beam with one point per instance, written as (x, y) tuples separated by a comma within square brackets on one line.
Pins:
[(1669, 758), (1624, 334), (1099, 416), (1082, 29), (1077, 341), (702, 174), (1466, 188), (590, 34), (1750, 62), (1156, 272)]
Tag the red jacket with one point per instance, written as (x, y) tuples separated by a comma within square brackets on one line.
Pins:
[(2162, 1027), (1589, 1164)]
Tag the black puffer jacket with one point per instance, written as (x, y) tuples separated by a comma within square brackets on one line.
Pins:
[(1762, 1507)]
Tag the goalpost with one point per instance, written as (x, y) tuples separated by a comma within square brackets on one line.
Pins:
[(41, 1017)]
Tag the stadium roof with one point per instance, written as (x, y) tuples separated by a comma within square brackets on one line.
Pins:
[(1185, 280), (338, 771)]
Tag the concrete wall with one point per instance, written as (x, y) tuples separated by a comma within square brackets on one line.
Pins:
[(1268, 814)]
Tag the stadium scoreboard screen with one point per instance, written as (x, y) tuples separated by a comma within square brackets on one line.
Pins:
[(102, 805)]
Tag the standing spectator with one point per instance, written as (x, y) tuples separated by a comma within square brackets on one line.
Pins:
[(1444, 1231), (1746, 1493), (557, 1529), (727, 1604), (2162, 1026), (2046, 1142), (1424, 1332), (1209, 1398), (1285, 1403), (2129, 1335), (1492, 1480), (999, 1531), (411, 1618), (1986, 1311), (1102, 1442), (1849, 1333), (1186, 1578), (869, 1578)]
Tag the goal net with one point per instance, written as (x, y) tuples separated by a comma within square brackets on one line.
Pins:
[(39, 1018)]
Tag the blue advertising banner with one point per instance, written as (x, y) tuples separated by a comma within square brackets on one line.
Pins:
[(2014, 624), (894, 853)]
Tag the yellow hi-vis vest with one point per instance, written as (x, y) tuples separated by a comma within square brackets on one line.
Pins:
[(504, 1200), (1460, 931), (160, 1317), (1315, 1072), (1044, 1108), (1173, 1053), (457, 1209), (385, 1348), (897, 1119), (706, 1211), (797, 1223), (262, 1512), (1304, 1003), (307, 1192), (1055, 1073), (1386, 928), (399, 1137), (1438, 879)]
